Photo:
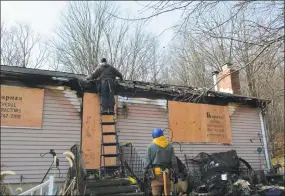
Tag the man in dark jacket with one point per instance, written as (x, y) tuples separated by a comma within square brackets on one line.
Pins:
[(160, 156), (106, 74)]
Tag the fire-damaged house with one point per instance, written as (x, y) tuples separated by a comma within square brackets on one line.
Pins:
[(43, 110)]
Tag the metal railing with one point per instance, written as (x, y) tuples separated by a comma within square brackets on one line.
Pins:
[(40, 187), (133, 159)]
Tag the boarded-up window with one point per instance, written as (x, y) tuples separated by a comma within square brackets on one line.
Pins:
[(91, 133), (190, 122), (21, 107)]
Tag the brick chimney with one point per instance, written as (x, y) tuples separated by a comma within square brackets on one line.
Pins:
[(230, 82)]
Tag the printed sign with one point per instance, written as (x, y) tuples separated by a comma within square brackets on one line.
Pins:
[(215, 126), (21, 107), (199, 123), (217, 121)]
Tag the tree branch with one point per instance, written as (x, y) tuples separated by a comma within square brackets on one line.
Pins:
[(248, 64)]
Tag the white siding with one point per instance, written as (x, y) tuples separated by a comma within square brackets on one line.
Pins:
[(143, 117), (61, 128), (245, 125), (141, 120)]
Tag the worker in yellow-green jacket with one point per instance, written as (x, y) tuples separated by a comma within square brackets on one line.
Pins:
[(160, 158)]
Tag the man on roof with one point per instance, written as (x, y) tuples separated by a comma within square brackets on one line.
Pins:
[(106, 75)]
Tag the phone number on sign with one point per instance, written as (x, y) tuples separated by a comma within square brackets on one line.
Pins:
[(16, 116)]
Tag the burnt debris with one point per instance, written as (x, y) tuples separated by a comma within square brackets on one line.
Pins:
[(226, 174), (38, 78)]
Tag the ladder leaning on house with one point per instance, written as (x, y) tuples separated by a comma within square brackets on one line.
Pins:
[(110, 154)]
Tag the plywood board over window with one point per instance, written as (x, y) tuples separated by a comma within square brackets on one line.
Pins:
[(21, 107), (199, 123), (91, 133)]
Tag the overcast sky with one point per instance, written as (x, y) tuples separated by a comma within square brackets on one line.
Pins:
[(44, 16)]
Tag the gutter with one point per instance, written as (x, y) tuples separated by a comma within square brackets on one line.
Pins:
[(264, 138)]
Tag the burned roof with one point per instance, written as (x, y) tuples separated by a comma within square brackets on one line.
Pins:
[(36, 78)]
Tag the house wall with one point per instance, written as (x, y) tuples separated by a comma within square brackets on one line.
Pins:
[(61, 128), (21, 148), (142, 117), (135, 125), (245, 125)]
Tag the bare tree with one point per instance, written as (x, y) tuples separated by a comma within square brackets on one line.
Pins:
[(250, 37), (20, 46), (140, 59), (193, 11), (79, 36), (235, 38), (188, 65), (196, 53), (89, 32)]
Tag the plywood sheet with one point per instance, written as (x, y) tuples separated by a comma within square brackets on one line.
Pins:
[(110, 150), (216, 123), (109, 139), (91, 133), (107, 118), (109, 128), (199, 123), (21, 107)]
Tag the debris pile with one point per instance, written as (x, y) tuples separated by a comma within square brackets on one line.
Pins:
[(221, 174)]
